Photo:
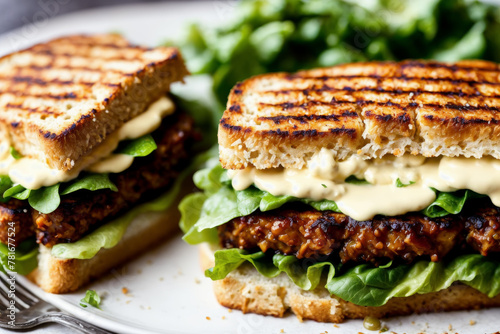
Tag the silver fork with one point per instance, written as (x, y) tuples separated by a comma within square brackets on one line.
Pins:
[(30, 311)]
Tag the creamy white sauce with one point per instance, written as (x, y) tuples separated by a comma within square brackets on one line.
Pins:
[(114, 163), (33, 174), (324, 178)]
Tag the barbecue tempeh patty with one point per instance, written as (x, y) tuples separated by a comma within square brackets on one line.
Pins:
[(82, 211), (316, 234)]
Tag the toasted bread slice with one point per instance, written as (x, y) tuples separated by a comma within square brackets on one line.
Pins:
[(370, 109), (62, 98), (247, 290)]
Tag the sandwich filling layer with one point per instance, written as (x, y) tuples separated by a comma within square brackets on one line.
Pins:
[(394, 185)]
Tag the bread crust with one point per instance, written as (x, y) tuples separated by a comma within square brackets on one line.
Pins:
[(56, 275), (370, 109), (246, 290), (64, 97)]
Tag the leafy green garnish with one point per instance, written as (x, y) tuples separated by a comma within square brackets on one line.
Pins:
[(23, 258), (90, 182), (91, 298), (45, 199), (140, 147), (449, 203), (365, 284), (13, 189), (15, 154), (206, 114), (400, 184), (354, 180), (289, 35)]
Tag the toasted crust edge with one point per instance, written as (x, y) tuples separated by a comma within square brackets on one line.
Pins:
[(61, 149), (56, 275), (246, 290)]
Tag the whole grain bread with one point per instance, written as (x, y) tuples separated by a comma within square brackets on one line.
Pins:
[(62, 98), (247, 290), (370, 109)]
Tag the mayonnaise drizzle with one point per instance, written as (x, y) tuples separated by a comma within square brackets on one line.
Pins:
[(33, 174), (324, 178)]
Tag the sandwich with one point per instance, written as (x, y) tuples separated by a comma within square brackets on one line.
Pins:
[(364, 189), (93, 151)]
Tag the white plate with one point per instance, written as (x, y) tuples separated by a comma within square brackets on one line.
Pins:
[(167, 290)]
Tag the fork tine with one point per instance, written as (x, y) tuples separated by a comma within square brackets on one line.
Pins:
[(4, 298), (22, 291), (5, 291), (4, 301)]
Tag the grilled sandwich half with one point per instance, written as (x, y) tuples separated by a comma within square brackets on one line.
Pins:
[(88, 135), (355, 190)]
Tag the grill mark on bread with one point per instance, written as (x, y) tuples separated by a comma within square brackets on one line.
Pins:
[(415, 92), (65, 54), (44, 110), (461, 120), (289, 105), (304, 119), (71, 68), (451, 67), (401, 118), (397, 77), (32, 80), (308, 133), (108, 45), (62, 96)]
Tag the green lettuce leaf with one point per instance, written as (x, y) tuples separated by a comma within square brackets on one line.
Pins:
[(364, 284), (306, 277), (12, 189), (24, 260), (400, 183), (90, 182), (15, 154), (449, 203), (91, 298), (139, 147), (45, 199), (5, 184), (22, 195)]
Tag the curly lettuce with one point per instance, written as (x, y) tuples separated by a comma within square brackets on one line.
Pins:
[(365, 284)]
